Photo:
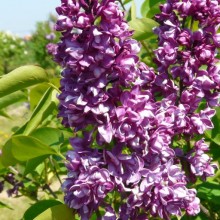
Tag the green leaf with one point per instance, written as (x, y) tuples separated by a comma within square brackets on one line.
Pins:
[(39, 207), (214, 151), (33, 163), (200, 216), (1, 165), (151, 7), (12, 98), (126, 2), (133, 10), (152, 3), (49, 136), (45, 107), (23, 148), (209, 191), (4, 114), (153, 10), (21, 78), (57, 212), (214, 134), (3, 205), (145, 7), (7, 157), (36, 94), (143, 28)]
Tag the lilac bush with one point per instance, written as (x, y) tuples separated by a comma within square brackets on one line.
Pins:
[(127, 118)]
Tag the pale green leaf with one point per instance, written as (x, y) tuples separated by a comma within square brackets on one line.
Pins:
[(214, 134), (145, 7), (7, 157), (32, 164), (23, 148), (49, 136), (133, 10), (45, 107), (21, 78), (36, 94), (143, 28), (7, 100)]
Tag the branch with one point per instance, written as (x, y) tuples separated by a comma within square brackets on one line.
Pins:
[(206, 211), (122, 5)]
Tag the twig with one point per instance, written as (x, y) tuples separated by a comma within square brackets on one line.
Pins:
[(122, 5), (55, 170), (46, 186), (206, 211), (149, 51), (191, 24)]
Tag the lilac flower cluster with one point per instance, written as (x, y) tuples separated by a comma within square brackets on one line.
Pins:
[(199, 161), (123, 136), (187, 63), (16, 185), (189, 56)]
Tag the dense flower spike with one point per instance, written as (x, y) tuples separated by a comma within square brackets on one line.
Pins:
[(200, 162), (94, 57), (124, 138), (188, 53)]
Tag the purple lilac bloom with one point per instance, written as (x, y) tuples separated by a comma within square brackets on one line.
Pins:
[(194, 69), (163, 192), (97, 59), (200, 162), (50, 36), (88, 182), (16, 185), (195, 64), (110, 97)]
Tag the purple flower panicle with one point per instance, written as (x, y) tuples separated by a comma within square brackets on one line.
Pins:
[(124, 137)]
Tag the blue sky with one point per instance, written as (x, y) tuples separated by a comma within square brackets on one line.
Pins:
[(20, 16)]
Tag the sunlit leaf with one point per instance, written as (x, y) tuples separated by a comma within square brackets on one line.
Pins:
[(21, 78), (23, 148), (133, 10), (49, 136), (153, 11), (209, 191), (7, 157), (214, 134), (4, 114), (36, 94), (145, 7), (57, 212), (33, 163), (18, 96), (1, 165), (45, 107), (143, 28), (39, 207)]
